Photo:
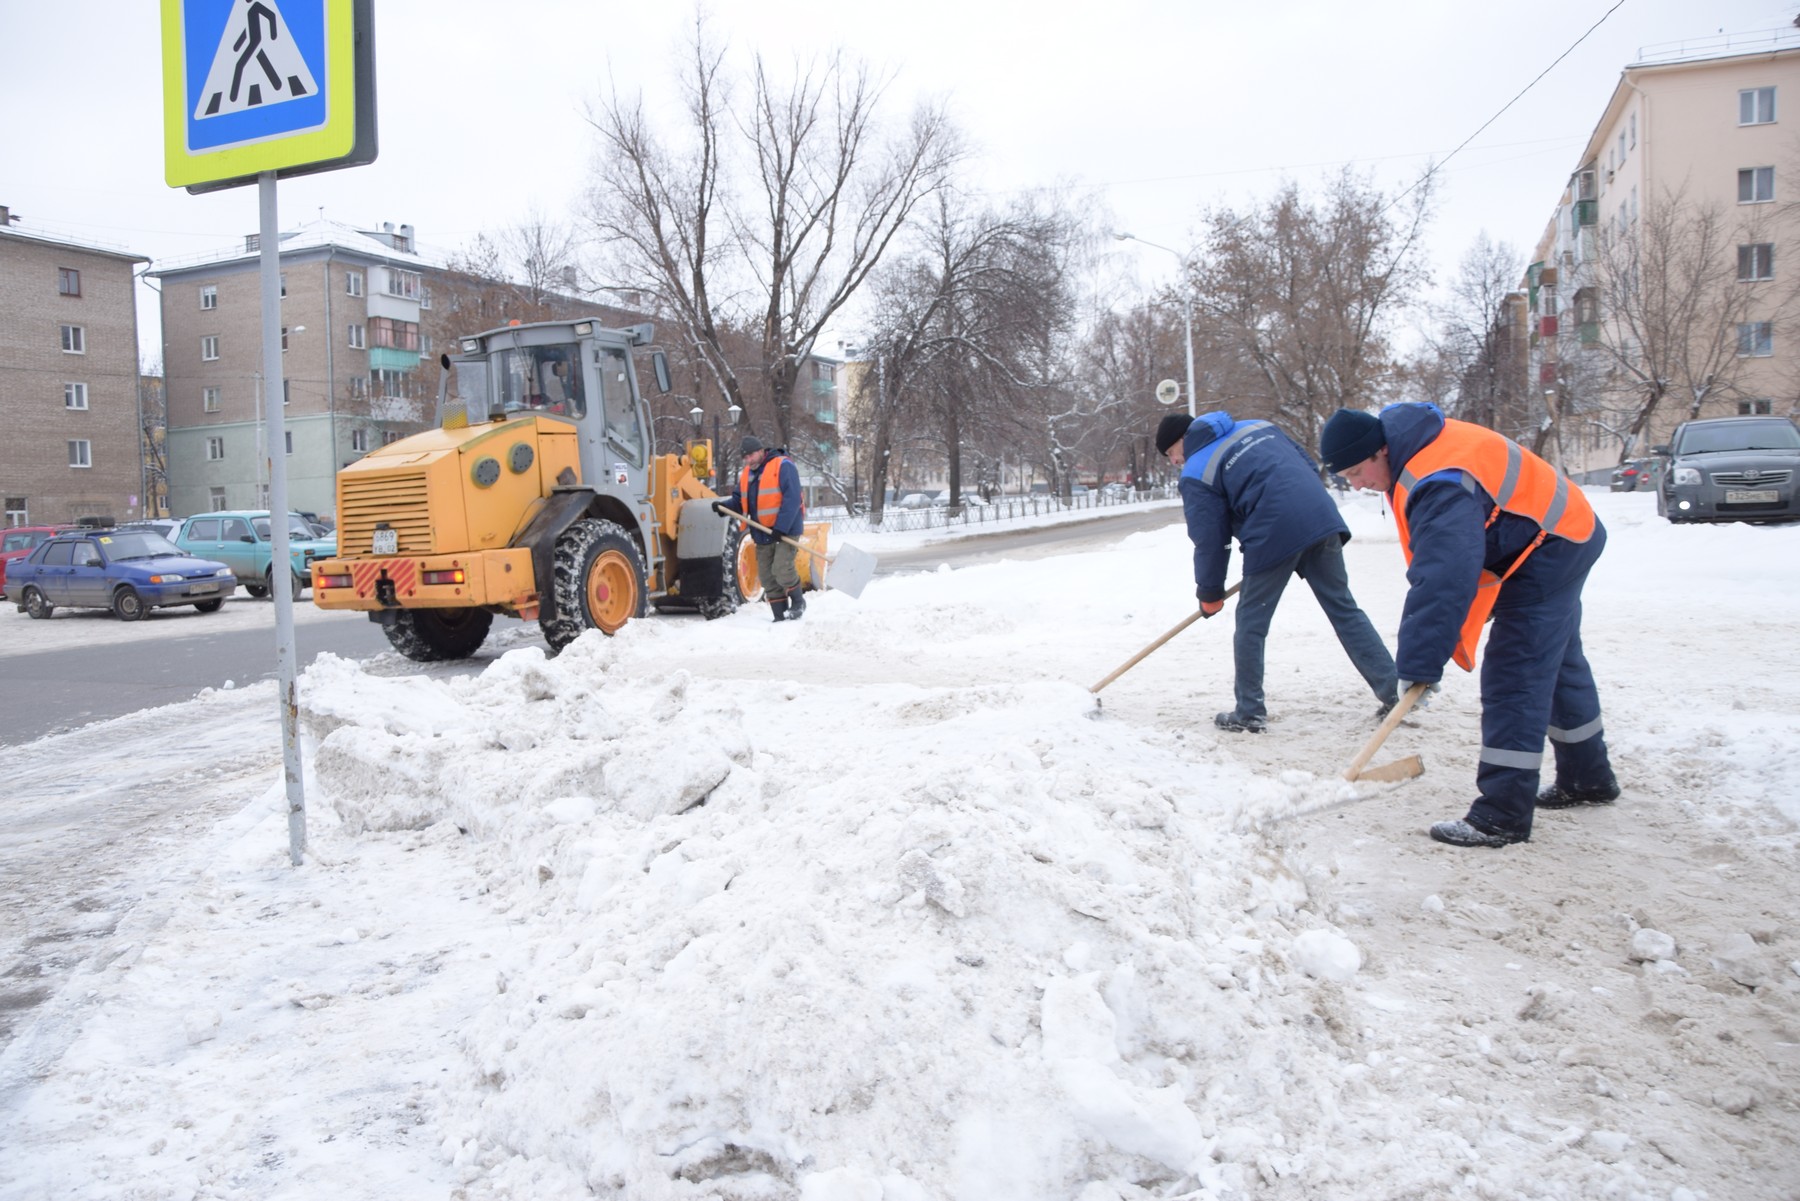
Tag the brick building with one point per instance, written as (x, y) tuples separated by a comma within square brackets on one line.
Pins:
[(68, 380)]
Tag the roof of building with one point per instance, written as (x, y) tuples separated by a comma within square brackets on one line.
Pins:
[(64, 240), (321, 233)]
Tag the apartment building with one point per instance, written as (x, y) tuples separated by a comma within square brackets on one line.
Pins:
[(1671, 261), (68, 380), (351, 305)]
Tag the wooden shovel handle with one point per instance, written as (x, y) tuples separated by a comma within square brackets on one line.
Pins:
[(1183, 624), (1409, 698), (795, 543)]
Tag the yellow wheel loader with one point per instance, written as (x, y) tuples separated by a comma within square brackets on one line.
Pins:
[(538, 496)]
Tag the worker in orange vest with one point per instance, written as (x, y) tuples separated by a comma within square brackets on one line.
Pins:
[(1491, 532), (768, 493)]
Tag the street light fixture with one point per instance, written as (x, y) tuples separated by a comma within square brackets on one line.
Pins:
[(1187, 308)]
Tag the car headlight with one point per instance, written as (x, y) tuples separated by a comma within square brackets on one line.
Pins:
[(1687, 477), (222, 572), (165, 579)]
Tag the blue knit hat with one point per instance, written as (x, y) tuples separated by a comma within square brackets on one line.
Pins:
[(1349, 438)]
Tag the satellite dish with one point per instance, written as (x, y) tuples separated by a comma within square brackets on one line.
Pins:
[(1168, 391)]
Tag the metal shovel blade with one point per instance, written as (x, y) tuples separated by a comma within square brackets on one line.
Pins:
[(850, 570), (1399, 769)]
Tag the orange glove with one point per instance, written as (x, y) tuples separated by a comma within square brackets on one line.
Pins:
[(1208, 608)]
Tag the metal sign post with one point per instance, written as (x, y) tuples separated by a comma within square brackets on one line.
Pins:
[(254, 90)]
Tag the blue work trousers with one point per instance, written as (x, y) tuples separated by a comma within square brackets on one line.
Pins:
[(1535, 682), (1321, 565)]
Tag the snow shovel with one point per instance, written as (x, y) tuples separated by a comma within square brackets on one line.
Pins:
[(850, 570), (1399, 769), (1132, 662)]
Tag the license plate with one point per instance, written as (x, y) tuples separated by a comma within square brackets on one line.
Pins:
[(1761, 496), (202, 589), (386, 542)]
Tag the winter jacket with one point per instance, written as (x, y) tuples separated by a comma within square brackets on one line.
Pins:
[(1452, 540), (771, 497), (1248, 480)]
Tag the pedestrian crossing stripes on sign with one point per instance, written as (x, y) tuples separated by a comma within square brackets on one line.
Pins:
[(258, 62)]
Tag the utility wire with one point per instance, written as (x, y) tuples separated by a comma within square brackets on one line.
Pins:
[(1436, 167)]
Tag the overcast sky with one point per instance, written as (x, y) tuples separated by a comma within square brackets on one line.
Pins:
[(1155, 107)]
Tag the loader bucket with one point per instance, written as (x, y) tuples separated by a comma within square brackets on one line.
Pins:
[(816, 536)]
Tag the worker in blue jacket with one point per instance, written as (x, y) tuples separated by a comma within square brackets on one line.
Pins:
[(768, 493), (1492, 533), (1248, 480)]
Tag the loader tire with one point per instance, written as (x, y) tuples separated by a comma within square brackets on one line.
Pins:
[(600, 582), (715, 607), (435, 635)]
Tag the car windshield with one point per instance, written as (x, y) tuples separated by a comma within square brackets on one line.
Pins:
[(296, 529), (137, 544), (1739, 435)]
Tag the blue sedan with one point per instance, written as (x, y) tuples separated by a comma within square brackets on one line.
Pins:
[(127, 571)]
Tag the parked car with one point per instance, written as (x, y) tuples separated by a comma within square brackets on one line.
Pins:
[(166, 526), (241, 540), (127, 571), (1731, 469), (1631, 475), (20, 540)]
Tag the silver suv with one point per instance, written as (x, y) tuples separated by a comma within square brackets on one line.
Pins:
[(1731, 469)]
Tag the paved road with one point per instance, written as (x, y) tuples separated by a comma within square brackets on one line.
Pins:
[(47, 692)]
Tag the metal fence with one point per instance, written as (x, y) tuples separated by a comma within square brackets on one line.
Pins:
[(895, 520)]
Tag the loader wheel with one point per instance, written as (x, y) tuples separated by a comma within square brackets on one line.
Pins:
[(434, 635), (715, 607), (600, 582)]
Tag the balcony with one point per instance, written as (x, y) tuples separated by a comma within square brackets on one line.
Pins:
[(1587, 212), (1547, 326), (1590, 334)]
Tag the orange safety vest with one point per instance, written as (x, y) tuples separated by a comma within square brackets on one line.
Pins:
[(1519, 482), (766, 506)]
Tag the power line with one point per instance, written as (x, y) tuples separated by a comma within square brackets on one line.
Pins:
[(1540, 75)]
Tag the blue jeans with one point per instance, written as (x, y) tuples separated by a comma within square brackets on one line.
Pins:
[(1321, 565)]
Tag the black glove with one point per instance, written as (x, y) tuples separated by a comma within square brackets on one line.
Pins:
[(718, 506)]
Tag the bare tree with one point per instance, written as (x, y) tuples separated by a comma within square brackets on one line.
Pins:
[(1305, 293), (1673, 305), (769, 222), (1478, 337)]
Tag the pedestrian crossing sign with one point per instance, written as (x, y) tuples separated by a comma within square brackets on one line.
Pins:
[(265, 85)]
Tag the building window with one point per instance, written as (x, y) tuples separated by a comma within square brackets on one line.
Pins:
[(353, 283), (209, 348), (389, 437), (424, 296), (284, 285), (74, 396), (74, 339), (215, 501), (209, 296), (288, 438), (357, 339), (287, 391), (1756, 339), (17, 513), (395, 335), (1621, 148), (425, 344), (209, 400), (359, 387), (1756, 261), (359, 441), (1634, 131), (386, 382), (68, 281), (284, 345), (1755, 408), (1756, 185), (1756, 106), (405, 284), (81, 453), (215, 450)]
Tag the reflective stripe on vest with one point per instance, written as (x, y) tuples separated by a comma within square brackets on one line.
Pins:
[(763, 504), (1519, 482), (1211, 473)]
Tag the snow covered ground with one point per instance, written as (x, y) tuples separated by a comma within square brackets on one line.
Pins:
[(874, 907)]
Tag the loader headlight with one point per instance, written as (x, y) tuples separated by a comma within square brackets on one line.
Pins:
[(1687, 477)]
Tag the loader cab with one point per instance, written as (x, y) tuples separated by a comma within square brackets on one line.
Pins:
[(576, 371)]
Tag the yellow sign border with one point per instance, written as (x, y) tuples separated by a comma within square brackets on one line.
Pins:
[(335, 139)]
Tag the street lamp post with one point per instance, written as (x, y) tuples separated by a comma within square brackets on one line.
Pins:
[(1187, 309)]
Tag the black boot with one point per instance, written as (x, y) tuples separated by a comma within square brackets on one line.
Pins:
[(1560, 797), (779, 608), (796, 606)]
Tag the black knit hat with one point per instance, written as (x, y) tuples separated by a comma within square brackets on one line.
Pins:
[(1170, 430), (1349, 438), (751, 444)]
